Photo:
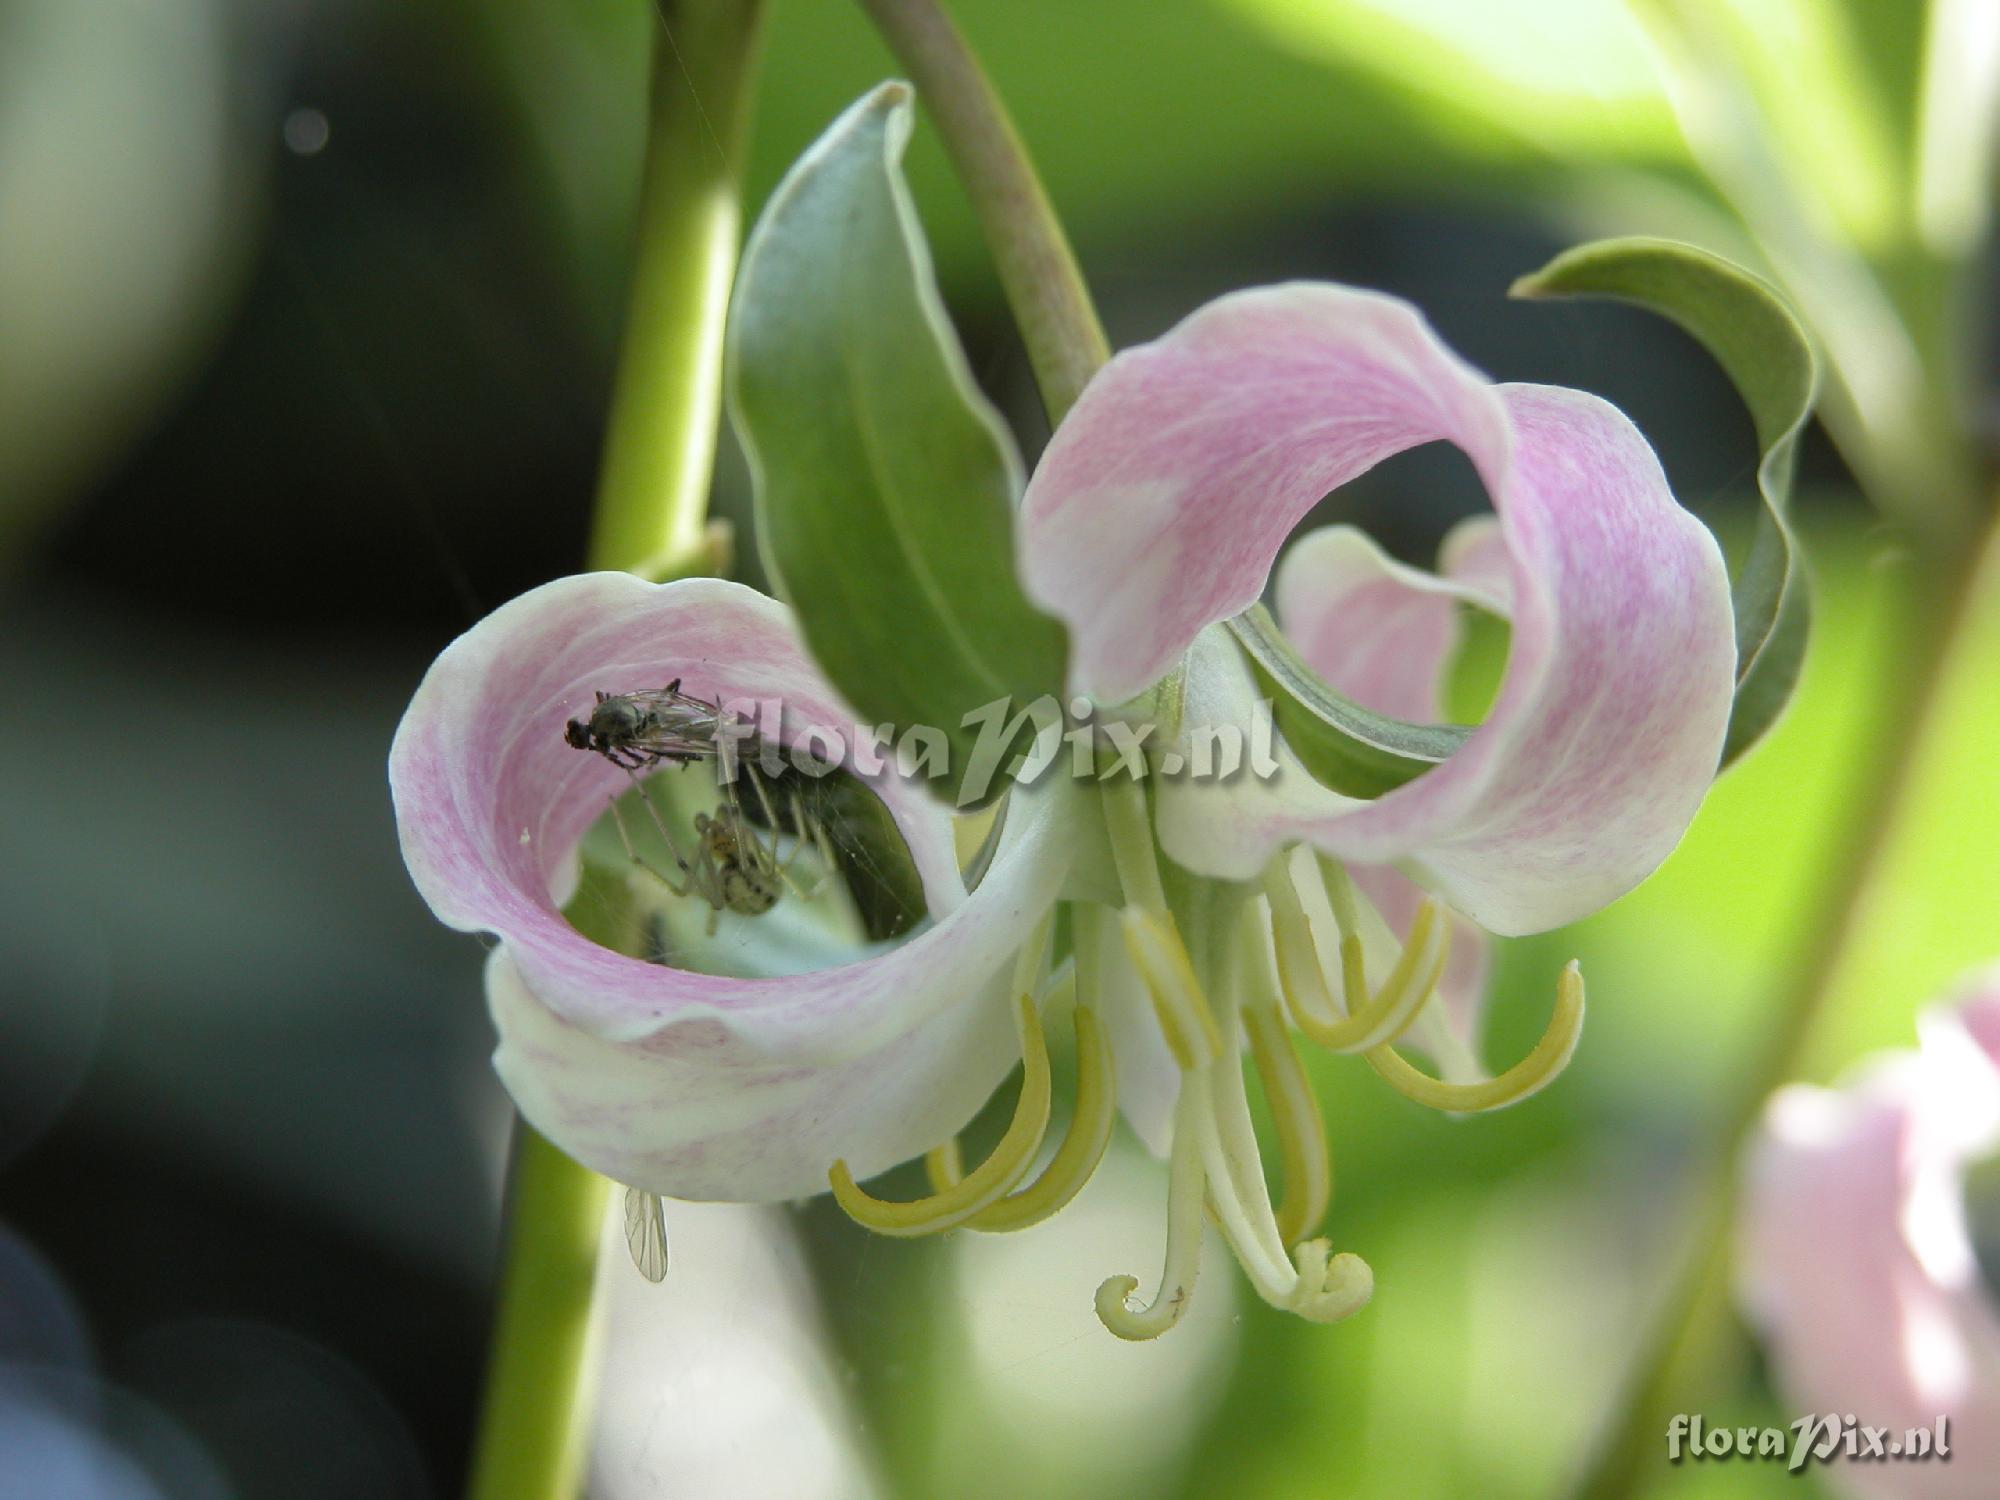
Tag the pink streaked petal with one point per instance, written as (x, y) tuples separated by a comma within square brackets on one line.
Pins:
[(491, 804), (1608, 725), (1166, 493), (693, 1112), (1474, 556), (1376, 630)]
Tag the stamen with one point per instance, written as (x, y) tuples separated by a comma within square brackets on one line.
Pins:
[(991, 1178), (1340, 897), (1237, 1194), (1375, 1021), (1311, 1281), (1183, 1256), (1130, 829), (1299, 968), (1533, 1072), (1345, 904), (1186, 1021), (1082, 1147), (1302, 1146), (944, 1166), (1330, 1287)]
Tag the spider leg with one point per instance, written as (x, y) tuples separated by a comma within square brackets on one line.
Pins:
[(625, 838), (764, 803), (809, 830), (707, 879)]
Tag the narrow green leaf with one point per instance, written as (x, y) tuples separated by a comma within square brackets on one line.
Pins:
[(1345, 746), (1745, 324), (885, 482)]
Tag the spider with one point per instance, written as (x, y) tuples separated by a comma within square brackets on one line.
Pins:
[(735, 865)]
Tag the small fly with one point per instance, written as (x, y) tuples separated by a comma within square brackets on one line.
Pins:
[(652, 727)]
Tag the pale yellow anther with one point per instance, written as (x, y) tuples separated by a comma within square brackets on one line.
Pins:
[(1157, 952), (1533, 1072), (1082, 1147), (1412, 981), (1353, 976), (1299, 969), (987, 1182), (1358, 1021), (1307, 1165)]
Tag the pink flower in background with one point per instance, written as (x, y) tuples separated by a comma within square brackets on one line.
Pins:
[(1856, 1259)]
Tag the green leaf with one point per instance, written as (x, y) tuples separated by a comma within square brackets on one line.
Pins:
[(1345, 746), (1746, 325), (885, 482)]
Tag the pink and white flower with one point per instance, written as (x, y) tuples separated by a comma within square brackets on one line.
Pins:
[(685, 1084), (1157, 513)]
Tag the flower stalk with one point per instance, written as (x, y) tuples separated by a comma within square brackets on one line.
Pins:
[(534, 1426), (1038, 270), (650, 519), (659, 449)]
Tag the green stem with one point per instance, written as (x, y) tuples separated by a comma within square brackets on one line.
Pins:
[(1694, 1323), (1038, 271), (535, 1422), (659, 452), (651, 519)]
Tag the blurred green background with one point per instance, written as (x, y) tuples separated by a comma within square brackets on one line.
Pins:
[(307, 315)]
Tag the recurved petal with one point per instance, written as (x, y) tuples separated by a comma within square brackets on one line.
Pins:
[(1166, 493), (692, 1111), (491, 803), (1474, 556), (1608, 724), (1377, 630)]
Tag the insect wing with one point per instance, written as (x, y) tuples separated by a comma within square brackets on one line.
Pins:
[(646, 1233), (678, 723)]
